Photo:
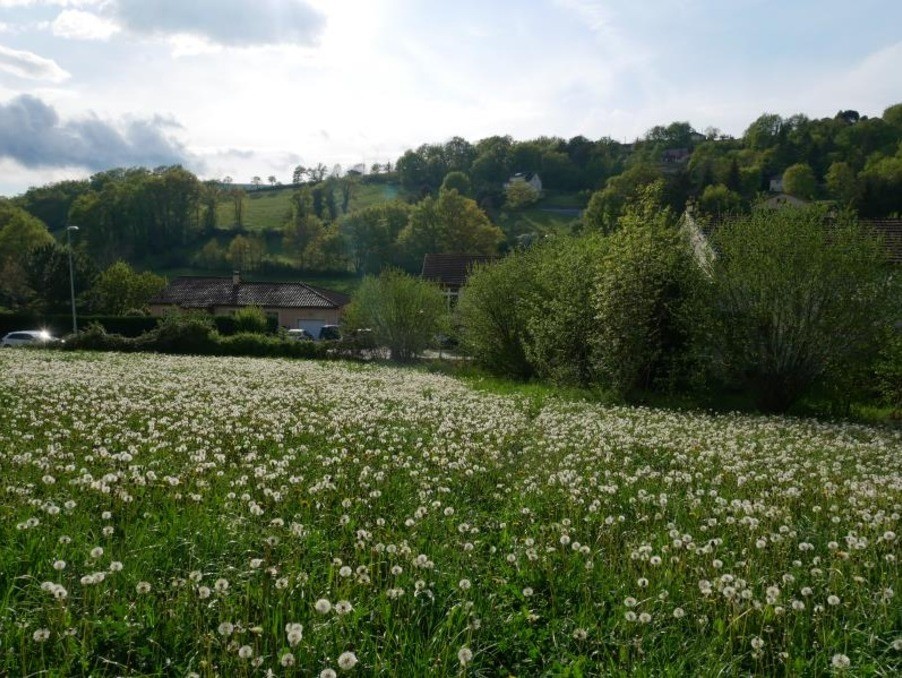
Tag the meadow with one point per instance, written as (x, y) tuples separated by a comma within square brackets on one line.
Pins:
[(208, 516)]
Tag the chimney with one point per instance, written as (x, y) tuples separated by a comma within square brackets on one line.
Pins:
[(236, 278)]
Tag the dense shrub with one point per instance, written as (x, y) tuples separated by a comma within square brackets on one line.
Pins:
[(404, 313), (797, 298), (556, 306), (188, 333), (643, 291), (250, 319), (491, 316)]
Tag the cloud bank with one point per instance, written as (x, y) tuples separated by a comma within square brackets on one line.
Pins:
[(32, 134)]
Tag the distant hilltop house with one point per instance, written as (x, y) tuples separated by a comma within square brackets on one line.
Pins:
[(776, 184), (530, 178), (292, 304), (450, 271)]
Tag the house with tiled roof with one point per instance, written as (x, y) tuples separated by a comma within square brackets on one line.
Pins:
[(292, 304), (450, 271), (889, 231)]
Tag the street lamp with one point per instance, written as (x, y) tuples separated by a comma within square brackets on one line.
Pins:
[(69, 230)]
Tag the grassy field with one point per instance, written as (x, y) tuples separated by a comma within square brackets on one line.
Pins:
[(187, 516), (269, 209)]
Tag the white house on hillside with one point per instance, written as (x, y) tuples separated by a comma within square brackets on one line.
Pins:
[(530, 178)]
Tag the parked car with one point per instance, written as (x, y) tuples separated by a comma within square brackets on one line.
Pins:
[(329, 333), (300, 335), (28, 338)]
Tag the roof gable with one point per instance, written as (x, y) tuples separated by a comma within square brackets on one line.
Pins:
[(198, 292), (451, 270)]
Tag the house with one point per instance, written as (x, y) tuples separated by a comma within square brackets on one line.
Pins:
[(890, 232), (530, 178), (292, 304), (450, 271), (776, 184)]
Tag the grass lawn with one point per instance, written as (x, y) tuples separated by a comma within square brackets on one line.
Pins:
[(170, 515)]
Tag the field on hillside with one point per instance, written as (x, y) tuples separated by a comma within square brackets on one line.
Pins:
[(193, 516), (269, 209)]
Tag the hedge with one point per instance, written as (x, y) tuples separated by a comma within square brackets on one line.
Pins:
[(59, 324)]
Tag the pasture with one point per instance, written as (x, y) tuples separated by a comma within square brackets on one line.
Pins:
[(205, 516)]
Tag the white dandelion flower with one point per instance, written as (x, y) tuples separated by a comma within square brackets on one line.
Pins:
[(347, 661)]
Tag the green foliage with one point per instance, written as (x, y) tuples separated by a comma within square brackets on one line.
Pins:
[(719, 201), (47, 273), (491, 317), (643, 293), (457, 181), (795, 300), (607, 206), (842, 183), (404, 313), (251, 320), (452, 224), (519, 194), (799, 181), (555, 307), (182, 333), (20, 233), (888, 371), (371, 234), (246, 253), (120, 288)]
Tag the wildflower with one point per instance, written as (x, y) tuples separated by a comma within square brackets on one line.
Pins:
[(580, 634), (221, 585), (295, 633), (287, 659), (226, 629), (464, 584), (347, 661), (343, 607), (345, 571), (678, 613), (322, 606), (203, 592), (833, 600), (116, 566), (245, 652), (527, 592), (644, 617), (757, 643), (630, 616), (59, 565), (142, 587), (464, 655), (327, 673), (629, 601), (840, 661), (96, 552), (41, 635)]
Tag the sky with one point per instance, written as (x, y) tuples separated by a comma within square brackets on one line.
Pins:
[(247, 88)]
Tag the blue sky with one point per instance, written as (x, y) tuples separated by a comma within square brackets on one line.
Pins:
[(254, 87)]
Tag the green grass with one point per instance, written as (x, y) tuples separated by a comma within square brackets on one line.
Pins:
[(525, 533), (269, 209)]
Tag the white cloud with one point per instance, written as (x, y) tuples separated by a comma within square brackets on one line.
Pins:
[(236, 23), (76, 24), (30, 65), (55, 3)]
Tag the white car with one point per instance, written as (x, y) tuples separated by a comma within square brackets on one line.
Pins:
[(28, 338)]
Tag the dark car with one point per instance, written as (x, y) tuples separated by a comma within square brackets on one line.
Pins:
[(329, 333)]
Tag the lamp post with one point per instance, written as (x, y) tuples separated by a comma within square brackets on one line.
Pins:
[(69, 230)]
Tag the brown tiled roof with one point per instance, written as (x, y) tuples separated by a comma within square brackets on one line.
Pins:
[(891, 232), (196, 292), (451, 270)]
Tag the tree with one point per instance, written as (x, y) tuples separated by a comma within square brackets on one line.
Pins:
[(458, 181), (404, 313), (246, 254), (643, 290), (120, 289), (211, 255), (238, 195), (719, 201), (256, 182), (796, 299), (606, 206), (272, 180), (519, 194), (371, 234), (298, 175), (303, 226), (799, 181), (842, 183), (491, 317), (47, 273), (450, 224)]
